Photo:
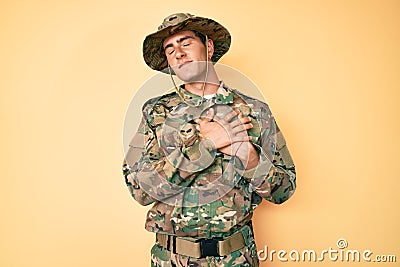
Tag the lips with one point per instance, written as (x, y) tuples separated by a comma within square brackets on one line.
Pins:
[(184, 63)]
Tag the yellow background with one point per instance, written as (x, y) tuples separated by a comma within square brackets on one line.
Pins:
[(329, 70)]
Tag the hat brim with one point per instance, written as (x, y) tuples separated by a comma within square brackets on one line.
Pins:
[(153, 52)]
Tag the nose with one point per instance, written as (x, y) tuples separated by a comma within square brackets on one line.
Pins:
[(179, 53)]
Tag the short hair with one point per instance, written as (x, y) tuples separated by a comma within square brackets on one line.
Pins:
[(200, 35)]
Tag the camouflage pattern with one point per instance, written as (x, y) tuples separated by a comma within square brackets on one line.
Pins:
[(162, 168), (247, 256), (153, 52), (147, 169)]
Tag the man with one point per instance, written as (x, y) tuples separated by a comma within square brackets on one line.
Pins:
[(204, 155)]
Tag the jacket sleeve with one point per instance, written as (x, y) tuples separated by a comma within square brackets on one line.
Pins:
[(274, 178), (149, 174)]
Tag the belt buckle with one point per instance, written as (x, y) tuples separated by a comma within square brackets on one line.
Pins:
[(209, 246)]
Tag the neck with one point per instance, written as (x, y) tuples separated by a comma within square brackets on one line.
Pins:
[(211, 85)]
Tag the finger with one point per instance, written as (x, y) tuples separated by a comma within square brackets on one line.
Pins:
[(239, 131), (209, 116), (247, 126), (244, 119), (228, 117), (235, 123), (242, 127), (241, 120)]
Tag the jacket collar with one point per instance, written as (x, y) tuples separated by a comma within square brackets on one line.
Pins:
[(224, 95)]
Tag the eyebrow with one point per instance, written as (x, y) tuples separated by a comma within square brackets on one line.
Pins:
[(180, 40)]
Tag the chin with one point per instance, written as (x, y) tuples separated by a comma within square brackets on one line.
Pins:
[(192, 74), (190, 78)]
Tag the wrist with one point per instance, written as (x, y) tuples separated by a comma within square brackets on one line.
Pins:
[(249, 156), (216, 142)]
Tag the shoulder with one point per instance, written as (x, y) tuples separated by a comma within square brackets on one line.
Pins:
[(165, 101), (254, 103)]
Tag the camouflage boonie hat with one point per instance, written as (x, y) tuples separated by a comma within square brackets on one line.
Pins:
[(153, 51)]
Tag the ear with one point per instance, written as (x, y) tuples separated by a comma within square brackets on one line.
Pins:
[(210, 48)]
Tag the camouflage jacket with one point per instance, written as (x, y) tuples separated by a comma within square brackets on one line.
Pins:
[(195, 190)]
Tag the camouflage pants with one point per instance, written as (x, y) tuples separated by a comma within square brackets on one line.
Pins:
[(247, 256)]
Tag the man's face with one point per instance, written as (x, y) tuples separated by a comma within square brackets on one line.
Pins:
[(186, 54)]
